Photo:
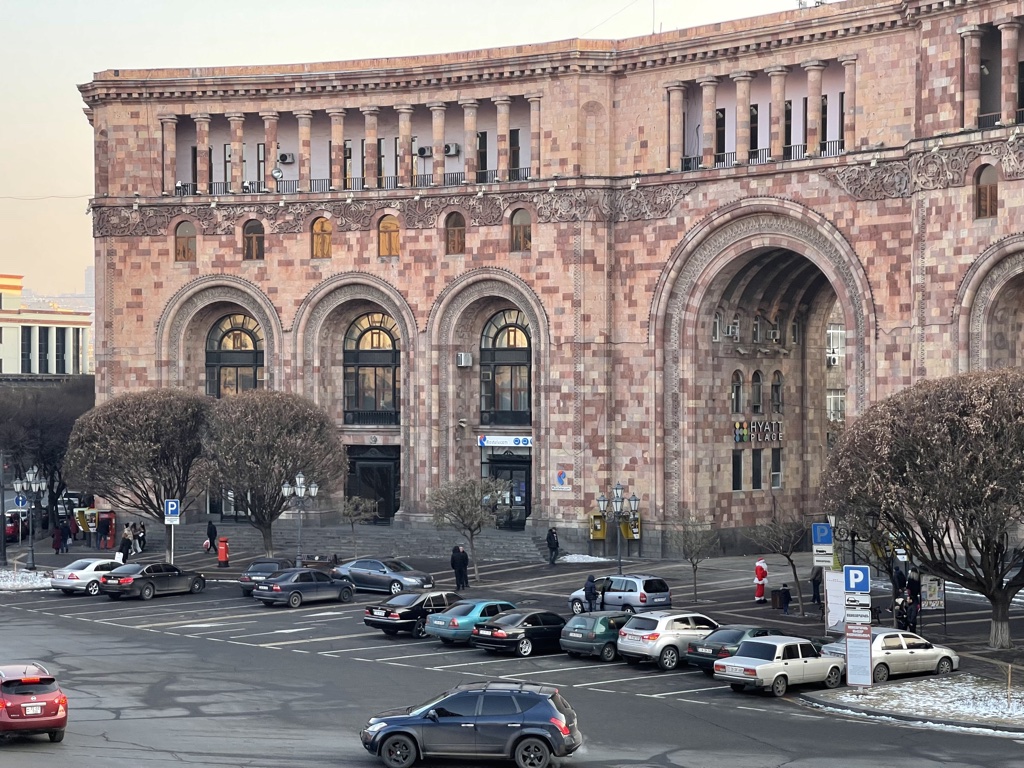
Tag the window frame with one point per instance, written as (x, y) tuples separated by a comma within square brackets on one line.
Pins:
[(454, 234), (520, 233), (320, 240), (388, 236), (253, 242), (736, 392), (185, 243), (986, 191), (506, 369)]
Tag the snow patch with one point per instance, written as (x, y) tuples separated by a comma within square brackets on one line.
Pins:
[(16, 581)]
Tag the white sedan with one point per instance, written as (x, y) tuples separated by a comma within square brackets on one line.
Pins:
[(897, 652), (775, 663), (83, 575)]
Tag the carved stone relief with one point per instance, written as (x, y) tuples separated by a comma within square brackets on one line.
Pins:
[(988, 293)]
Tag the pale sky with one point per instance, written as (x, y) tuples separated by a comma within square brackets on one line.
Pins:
[(51, 46)]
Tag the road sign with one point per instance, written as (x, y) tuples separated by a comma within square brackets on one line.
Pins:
[(824, 559), (821, 534), (20, 501), (857, 600), (858, 616), (901, 555), (857, 578), (172, 512)]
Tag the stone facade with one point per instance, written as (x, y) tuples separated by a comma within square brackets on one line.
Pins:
[(703, 205)]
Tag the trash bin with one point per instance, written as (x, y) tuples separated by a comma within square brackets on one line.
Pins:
[(777, 599)]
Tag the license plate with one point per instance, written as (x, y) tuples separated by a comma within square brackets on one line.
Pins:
[(733, 668), (263, 587), (703, 650), (378, 613), (575, 634), (33, 709), (113, 581), (633, 637), (659, 599), (485, 631)]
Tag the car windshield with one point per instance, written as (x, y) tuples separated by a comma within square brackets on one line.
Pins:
[(725, 636), (429, 705), (754, 650), (397, 565), (406, 598), (79, 565), (461, 609)]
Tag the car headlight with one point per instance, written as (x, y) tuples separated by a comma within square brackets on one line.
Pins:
[(376, 727), (410, 579)]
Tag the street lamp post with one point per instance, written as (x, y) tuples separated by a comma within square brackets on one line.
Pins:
[(617, 515), (34, 483), (3, 515), (300, 489)]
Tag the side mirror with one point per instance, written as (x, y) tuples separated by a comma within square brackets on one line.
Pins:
[(432, 715), (928, 646)]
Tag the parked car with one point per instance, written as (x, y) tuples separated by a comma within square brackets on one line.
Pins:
[(776, 663), (295, 586), (383, 575), (16, 525), (144, 580), (521, 631), (524, 722), (83, 575), (455, 625), (662, 636), (631, 592), (897, 652), (31, 702), (593, 634), (722, 643), (258, 570), (408, 612)]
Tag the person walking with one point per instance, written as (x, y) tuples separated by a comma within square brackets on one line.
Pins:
[(142, 537), (817, 574), (786, 597), (913, 598), (760, 579), (460, 565), (125, 547), (552, 540), (590, 593), (65, 536), (211, 536), (136, 544), (56, 540)]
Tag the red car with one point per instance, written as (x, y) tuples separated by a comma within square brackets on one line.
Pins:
[(31, 702), (16, 526)]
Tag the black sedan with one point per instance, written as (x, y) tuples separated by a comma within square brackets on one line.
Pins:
[(258, 570), (722, 643), (408, 612), (146, 580), (383, 575), (295, 586), (520, 631)]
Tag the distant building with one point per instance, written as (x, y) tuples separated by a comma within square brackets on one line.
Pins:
[(37, 341)]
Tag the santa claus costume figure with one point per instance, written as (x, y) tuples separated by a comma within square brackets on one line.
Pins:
[(760, 579)]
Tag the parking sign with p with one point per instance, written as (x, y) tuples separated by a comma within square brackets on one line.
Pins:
[(857, 578)]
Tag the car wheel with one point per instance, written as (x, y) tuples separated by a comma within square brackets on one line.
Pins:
[(398, 751), (708, 672), (419, 629), (880, 674), (196, 586), (524, 647), (668, 659), (147, 592), (389, 631), (246, 593), (833, 678), (779, 686), (446, 641), (57, 736), (945, 666), (114, 596), (92, 588), (608, 652), (532, 753), (737, 687), (577, 607), (631, 660), (395, 587), (294, 600), (628, 609), (345, 595)]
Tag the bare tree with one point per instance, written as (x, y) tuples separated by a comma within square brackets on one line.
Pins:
[(697, 541), (140, 448), (782, 535), (938, 468), (257, 440), (357, 510), (467, 505)]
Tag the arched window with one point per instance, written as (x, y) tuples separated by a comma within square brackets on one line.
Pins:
[(756, 392), (455, 233), (777, 392), (736, 393), (716, 327), (320, 244), (252, 238), (755, 329), (505, 369), (986, 193), (234, 356), (372, 359), (521, 237), (185, 242), (387, 236)]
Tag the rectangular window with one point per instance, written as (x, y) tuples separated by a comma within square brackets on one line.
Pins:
[(261, 162), (823, 123), (805, 119), (737, 470), (347, 163), (788, 123), (753, 128), (835, 339), (209, 165), (362, 159), (719, 131), (835, 404), (26, 349), (481, 156), (415, 156), (44, 349), (195, 165), (61, 344), (380, 162), (776, 467), (513, 149), (755, 469), (76, 351), (227, 163)]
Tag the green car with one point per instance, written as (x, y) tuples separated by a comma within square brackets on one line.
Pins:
[(593, 634)]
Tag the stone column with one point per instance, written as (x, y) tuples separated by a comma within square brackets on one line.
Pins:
[(437, 138), (404, 170), (169, 167), (534, 135), (270, 148), (972, 75), (742, 81), (370, 134), (237, 120), (305, 118), (337, 158), (778, 78), (849, 102), (1010, 31), (709, 93), (469, 138), (813, 129), (502, 103), (676, 124), (202, 121)]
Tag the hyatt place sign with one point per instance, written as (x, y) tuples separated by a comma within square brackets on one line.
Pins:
[(757, 431)]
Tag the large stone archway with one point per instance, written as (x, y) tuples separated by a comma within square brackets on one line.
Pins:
[(996, 272)]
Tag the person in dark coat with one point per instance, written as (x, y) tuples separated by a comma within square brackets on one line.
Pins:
[(590, 593), (56, 541), (65, 536), (552, 540), (460, 565), (786, 597), (211, 535), (142, 537), (816, 577), (102, 532)]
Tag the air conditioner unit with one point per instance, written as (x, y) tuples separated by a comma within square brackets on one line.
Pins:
[(832, 360), (773, 336), (463, 359), (733, 330), (427, 151), (286, 157), (451, 150)]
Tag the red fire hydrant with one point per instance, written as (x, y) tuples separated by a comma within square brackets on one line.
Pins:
[(222, 552)]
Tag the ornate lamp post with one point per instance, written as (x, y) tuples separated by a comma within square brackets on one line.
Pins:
[(617, 515), (34, 483), (300, 489)]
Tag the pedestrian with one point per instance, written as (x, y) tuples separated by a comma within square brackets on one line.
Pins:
[(65, 535), (816, 576), (142, 537), (901, 612), (913, 598), (102, 532), (786, 597), (73, 522), (460, 566), (136, 546), (552, 540), (590, 593), (125, 548), (760, 579), (211, 537), (56, 541)]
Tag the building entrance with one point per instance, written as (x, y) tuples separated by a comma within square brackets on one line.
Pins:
[(375, 474), (516, 470)]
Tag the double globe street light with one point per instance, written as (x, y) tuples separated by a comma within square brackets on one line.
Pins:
[(617, 515), (32, 482), (300, 489)]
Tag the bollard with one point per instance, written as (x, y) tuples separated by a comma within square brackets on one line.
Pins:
[(222, 552)]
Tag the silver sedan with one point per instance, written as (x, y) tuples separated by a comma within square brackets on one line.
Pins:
[(897, 652), (83, 575), (383, 575)]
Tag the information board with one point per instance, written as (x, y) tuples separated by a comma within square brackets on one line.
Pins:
[(858, 654)]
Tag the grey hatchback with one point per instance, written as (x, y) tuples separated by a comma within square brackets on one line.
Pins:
[(630, 593), (593, 634)]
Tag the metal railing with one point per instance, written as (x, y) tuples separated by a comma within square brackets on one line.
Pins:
[(355, 183), (287, 186), (725, 159), (988, 120), (373, 418), (794, 152), (832, 148), (454, 179), (423, 180), (1020, 116), (184, 188), (691, 163), (319, 185), (387, 182), (759, 156), (519, 174), (486, 177), (219, 188), (254, 187)]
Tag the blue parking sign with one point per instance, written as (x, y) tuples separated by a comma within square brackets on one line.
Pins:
[(857, 578), (172, 508), (821, 534)]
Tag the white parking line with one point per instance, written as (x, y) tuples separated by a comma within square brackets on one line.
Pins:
[(570, 669), (688, 690), (308, 640), (472, 663), (432, 653), (606, 682)]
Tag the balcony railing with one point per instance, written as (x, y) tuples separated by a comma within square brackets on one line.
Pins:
[(832, 148), (184, 188), (254, 187), (691, 163), (988, 120), (759, 156), (287, 186), (387, 182), (355, 183), (454, 179), (219, 188), (794, 152), (725, 159), (373, 418), (1020, 116), (319, 185), (486, 177), (423, 179), (519, 174)]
